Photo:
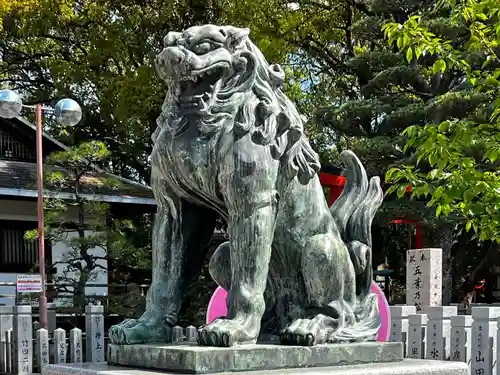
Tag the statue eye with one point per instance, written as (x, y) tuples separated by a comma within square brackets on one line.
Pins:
[(202, 48)]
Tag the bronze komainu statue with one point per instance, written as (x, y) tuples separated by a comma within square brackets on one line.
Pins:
[(229, 141)]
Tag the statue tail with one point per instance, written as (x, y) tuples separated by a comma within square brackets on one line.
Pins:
[(353, 212)]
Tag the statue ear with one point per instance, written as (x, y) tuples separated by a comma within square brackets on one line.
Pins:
[(236, 35)]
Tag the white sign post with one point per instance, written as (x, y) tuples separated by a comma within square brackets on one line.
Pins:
[(29, 284)]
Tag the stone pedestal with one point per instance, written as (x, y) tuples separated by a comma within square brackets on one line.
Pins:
[(406, 367), (193, 359)]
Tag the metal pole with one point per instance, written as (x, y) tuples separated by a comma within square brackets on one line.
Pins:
[(41, 224)]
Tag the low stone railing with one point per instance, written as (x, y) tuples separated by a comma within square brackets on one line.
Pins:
[(25, 348), (439, 333)]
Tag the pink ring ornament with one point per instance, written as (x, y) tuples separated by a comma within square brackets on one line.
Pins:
[(217, 308)]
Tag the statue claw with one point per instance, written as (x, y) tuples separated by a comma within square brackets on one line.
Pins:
[(308, 332), (227, 333), (139, 331)]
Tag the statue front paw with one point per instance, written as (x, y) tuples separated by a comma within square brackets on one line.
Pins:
[(228, 332), (308, 332), (139, 331)]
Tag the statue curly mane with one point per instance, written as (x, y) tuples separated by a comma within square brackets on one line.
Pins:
[(249, 100)]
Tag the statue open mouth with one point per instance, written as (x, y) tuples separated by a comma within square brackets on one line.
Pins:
[(199, 87)]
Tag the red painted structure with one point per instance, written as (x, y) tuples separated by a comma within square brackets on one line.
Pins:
[(332, 178)]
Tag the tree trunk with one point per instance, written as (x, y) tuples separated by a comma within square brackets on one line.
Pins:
[(469, 284), (446, 240)]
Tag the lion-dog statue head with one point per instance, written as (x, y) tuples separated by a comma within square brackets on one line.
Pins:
[(217, 76)]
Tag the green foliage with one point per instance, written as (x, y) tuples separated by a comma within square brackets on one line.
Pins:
[(84, 224), (101, 53), (456, 156), (379, 93)]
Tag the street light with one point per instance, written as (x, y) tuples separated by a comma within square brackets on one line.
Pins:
[(67, 113)]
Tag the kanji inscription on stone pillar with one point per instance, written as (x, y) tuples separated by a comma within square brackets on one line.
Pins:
[(424, 278)]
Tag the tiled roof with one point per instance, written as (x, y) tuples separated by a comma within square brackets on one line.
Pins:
[(19, 177)]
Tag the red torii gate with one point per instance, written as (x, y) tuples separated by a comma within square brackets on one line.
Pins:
[(332, 178)]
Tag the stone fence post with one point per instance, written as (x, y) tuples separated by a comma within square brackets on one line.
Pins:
[(484, 331), (59, 345), (42, 349), (6, 323), (416, 335), (191, 334), (94, 333), (10, 350), (22, 340), (75, 345), (399, 325), (461, 338), (438, 331)]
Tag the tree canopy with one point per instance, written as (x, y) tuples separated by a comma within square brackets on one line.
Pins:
[(101, 53), (456, 153)]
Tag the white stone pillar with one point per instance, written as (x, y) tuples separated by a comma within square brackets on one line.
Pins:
[(177, 335), (42, 348), (461, 338), (438, 331), (417, 325), (10, 350), (484, 331), (6, 323), (424, 275), (75, 345), (399, 324), (59, 345), (191, 334), (94, 333), (22, 339)]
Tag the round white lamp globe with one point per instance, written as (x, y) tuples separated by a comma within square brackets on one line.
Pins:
[(68, 112), (10, 104)]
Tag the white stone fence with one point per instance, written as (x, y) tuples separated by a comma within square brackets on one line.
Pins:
[(439, 333), (25, 348)]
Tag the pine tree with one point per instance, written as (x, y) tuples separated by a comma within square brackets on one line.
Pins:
[(95, 238), (391, 91)]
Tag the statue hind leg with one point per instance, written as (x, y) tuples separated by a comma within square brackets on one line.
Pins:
[(330, 288), (181, 233), (354, 315)]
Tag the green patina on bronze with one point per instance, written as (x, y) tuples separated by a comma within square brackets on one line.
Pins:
[(230, 141)]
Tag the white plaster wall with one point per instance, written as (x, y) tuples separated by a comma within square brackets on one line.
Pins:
[(7, 293), (26, 211)]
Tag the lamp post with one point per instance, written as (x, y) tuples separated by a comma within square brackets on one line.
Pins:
[(68, 113)]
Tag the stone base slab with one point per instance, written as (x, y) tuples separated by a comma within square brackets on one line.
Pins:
[(190, 358), (406, 367)]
